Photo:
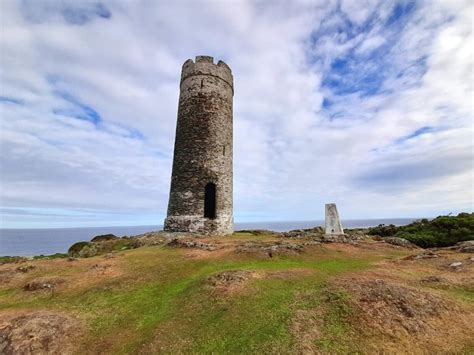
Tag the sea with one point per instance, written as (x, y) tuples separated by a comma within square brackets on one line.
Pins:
[(30, 242)]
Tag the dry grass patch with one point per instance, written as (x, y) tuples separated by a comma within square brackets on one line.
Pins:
[(38, 332), (398, 318)]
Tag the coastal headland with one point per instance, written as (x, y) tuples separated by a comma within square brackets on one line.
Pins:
[(255, 292)]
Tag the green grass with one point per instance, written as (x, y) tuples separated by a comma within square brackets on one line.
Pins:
[(163, 297), (172, 290)]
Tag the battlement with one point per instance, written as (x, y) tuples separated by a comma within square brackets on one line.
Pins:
[(204, 65)]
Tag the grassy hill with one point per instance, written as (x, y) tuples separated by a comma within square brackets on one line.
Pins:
[(250, 293)]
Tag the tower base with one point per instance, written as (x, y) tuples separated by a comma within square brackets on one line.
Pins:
[(200, 225)]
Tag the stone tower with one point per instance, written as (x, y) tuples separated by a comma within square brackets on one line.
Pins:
[(201, 182), (333, 223)]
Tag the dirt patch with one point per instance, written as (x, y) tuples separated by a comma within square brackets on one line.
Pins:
[(320, 323), (231, 281), (101, 268), (40, 332), (43, 284), (391, 306), (269, 249), (401, 316), (6, 275), (307, 327), (229, 277), (432, 280)]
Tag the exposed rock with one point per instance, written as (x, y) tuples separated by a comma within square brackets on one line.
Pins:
[(76, 248), (88, 251), (153, 238), (182, 243), (229, 277), (456, 266), (270, 249), (401, 242), (467, 249), (342, 238), (312, 242), (428, 254), (316, 232), (466, 246), (465, 243), (258, 232), (103, 238), (25, 268), (43, 283), (431, 279), (41, 332)]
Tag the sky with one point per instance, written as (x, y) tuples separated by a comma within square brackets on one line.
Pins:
[(364, 103)]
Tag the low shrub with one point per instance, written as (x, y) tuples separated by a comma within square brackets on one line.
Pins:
[(441, 231)]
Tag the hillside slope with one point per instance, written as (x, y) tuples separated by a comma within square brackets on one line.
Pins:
[(250, 293)]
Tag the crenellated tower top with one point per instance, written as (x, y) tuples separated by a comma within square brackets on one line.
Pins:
[(204, 65)]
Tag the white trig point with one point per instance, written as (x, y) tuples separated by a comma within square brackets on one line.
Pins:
[(333, 223)]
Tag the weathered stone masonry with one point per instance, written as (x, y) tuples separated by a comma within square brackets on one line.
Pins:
[(201, 183)]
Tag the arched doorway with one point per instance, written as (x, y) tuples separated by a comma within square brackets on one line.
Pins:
[(210, 201)]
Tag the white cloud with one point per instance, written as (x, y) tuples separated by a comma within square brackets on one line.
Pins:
[(291, 153)]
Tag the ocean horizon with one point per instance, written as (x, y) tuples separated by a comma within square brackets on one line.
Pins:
[(45, 241)]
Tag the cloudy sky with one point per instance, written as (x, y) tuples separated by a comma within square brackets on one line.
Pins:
[(364, 103)]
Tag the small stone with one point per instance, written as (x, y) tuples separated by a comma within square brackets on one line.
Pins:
[(427, 255), (26, 268), (43, 284), (399, 242), (455, 265)]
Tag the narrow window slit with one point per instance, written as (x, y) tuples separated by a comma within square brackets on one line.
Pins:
[(210, 201)]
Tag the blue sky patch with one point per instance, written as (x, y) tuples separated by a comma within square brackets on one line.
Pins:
[(418, 132), (400, 10), (81, 16), (77, 110), (365, 70), (73, 12), (10, 100)]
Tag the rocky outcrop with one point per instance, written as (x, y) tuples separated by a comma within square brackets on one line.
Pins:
[(401, 242), (43, 284), (271, 249), (183, 243), (465, 247), (103, 238)]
